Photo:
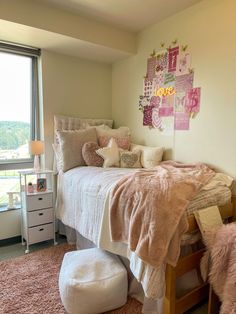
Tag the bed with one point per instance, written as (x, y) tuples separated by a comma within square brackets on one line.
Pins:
[(83, 202)]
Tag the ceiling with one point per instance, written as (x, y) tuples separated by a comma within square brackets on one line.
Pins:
[(99, 30), (130, 15)]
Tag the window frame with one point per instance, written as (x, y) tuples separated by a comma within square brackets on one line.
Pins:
[(34, 54)]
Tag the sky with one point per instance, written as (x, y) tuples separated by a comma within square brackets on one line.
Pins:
[(15, 87)]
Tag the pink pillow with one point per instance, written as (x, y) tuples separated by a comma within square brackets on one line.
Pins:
[(90, 156), (122, 142)]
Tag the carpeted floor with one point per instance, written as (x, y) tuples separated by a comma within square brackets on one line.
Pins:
[(29, 284)]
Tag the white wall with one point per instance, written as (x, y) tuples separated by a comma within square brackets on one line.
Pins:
[(73, 87), (209, 30)]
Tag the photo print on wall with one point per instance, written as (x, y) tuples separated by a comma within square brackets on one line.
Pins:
[(169, 98)]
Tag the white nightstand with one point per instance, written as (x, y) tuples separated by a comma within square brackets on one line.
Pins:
[(37, 208)]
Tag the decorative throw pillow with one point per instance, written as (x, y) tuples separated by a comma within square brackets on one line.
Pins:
[(97, 127), (71, 143), (110, 154), (150, 156), (130, 159), (90, 156), (123, 131), (58, 162), (122, 142)]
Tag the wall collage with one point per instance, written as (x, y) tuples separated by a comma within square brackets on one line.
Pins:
[(169, 99)]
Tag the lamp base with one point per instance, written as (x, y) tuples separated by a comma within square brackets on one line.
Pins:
[(36, 163)]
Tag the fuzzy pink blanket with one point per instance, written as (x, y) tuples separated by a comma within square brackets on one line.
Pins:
[(148, 209), (221, 244)]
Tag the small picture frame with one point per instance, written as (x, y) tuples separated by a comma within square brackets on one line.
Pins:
[(41, 184)]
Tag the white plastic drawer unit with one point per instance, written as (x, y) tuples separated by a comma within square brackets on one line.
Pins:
[(39, 217), (34, 202), (41, 233)]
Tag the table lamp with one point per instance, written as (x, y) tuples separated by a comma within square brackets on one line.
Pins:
[(36, 148)]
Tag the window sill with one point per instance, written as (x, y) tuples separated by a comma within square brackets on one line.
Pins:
[(4, 209)]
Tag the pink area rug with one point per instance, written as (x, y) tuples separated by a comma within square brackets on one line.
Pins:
[(29, 284)]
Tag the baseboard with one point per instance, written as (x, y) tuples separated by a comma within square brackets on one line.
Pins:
[(10, 241)]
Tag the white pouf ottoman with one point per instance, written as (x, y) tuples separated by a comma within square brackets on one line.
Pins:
[(92, 281)]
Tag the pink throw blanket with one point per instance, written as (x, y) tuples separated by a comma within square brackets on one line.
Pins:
[(148, 209)]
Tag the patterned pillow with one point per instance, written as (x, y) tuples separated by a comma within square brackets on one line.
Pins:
[(130, 159), (90, 156), (122, 142)]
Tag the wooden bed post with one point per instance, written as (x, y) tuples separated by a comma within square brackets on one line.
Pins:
[(234, 207), (170, 297)]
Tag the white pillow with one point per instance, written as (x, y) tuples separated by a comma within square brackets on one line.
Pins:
[(123, 131), (58, 162), (97, 127), (110, 154), (150, 156)]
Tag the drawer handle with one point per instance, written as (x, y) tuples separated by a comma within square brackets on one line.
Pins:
[(40, 214), (40, 198), (41, 229)]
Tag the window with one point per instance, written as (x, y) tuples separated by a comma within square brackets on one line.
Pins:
[(18, 114)]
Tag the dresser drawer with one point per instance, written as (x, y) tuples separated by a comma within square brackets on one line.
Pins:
[(41, 233), (39, 217), (39, 201)]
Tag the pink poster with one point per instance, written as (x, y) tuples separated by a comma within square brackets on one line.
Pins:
[(168, 100), (192, 103), (143, 101), (181, 121), (183, 63), (162, 63), (172, 59), (169, 78), (184, 82), (155, 101), (158, 81), (147, 87), (147, 115), (151, 67), (156, 119), (180, 102), (166, 111)]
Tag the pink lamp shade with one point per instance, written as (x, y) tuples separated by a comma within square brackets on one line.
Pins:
[(36, 148)]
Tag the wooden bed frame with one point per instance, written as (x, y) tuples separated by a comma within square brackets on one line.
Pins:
[(174, 305)]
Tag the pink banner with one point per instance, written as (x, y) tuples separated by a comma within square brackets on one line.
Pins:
[(181, 121), (172, 59)]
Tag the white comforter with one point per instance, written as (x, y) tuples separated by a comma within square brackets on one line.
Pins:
[(83, 204)]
